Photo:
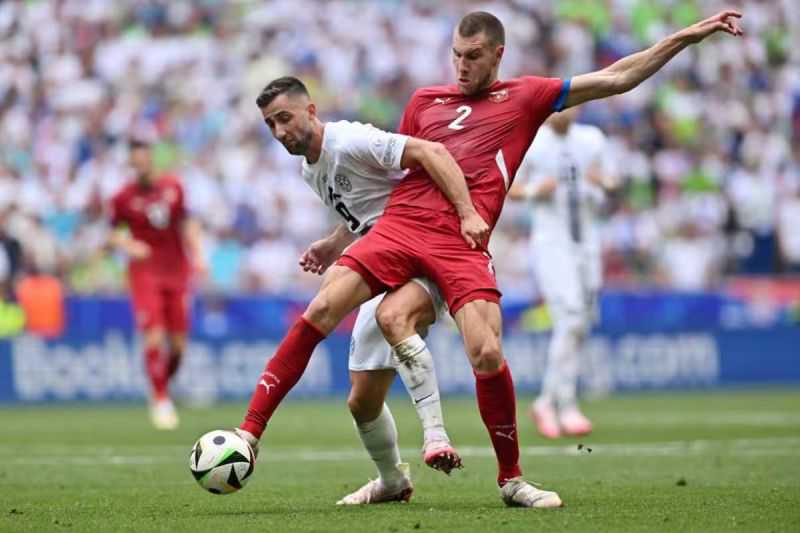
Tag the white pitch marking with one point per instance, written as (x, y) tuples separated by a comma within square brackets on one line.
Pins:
[(750, 447)]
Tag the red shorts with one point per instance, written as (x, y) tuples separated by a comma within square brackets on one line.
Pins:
[(159, 303), (399, 248)]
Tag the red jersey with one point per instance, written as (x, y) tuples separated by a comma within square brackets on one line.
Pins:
[(487, 134), (154, 214)]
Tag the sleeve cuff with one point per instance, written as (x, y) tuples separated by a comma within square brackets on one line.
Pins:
[(562, 96)]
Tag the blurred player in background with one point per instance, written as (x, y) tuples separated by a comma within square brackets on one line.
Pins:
[(163, 245), (568, 171), (488, 126), (353, 168)]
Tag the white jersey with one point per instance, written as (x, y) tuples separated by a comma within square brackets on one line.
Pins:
[(569, 214), (358, 167)]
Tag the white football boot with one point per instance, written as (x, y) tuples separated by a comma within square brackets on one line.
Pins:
[(163, 414), (440, 455), (376, 492), (519, 493), (249, 438)]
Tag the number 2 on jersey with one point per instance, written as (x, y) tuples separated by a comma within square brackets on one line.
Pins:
[(464, 112)]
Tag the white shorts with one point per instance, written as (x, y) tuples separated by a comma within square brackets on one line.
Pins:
[(368, 349), (569, 279)]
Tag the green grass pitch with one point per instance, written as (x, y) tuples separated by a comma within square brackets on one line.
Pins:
[(681, 462)]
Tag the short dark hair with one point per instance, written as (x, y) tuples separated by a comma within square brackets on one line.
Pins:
[(138, 142), (279, 86), (481, 21)]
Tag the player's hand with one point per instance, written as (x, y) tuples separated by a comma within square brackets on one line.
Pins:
[(724, 21), (138, 249), (199, 266), (319, 256), (474, 229)]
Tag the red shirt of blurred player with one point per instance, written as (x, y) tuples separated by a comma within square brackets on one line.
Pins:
[(153, 210)]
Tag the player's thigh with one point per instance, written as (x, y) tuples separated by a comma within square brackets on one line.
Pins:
[(176, 304), (462, 274), (481, 324), (342, 291), (368, 348), (559, 278), (147, 305), (406, 311), (368, 393)]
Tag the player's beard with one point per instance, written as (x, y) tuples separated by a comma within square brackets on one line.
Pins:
[(301, 145), (482, 84)]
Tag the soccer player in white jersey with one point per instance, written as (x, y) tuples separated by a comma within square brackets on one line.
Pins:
[(354, 172), (568, 171)]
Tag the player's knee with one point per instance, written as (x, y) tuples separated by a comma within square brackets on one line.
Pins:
[(154, 337), (487, 356), (362, 409), (395, 323), (319, 312), (576, 326)]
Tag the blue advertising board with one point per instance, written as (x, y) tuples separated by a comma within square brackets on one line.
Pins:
[(99, 358)]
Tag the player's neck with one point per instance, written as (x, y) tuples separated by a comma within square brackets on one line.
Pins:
[(561, 132), (146, 181), (315, 147)]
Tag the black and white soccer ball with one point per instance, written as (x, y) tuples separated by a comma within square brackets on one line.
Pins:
[(221, 462)]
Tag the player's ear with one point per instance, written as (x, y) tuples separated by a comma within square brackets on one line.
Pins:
[(312, 109), (498, 52)]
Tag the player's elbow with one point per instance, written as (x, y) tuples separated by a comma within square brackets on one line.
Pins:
[(622, 82), (432, 151)]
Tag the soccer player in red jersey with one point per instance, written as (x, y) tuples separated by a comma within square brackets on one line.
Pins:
[(152, 227), (487, 125)]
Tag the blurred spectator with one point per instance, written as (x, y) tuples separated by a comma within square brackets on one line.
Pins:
[(708, 147), (41, 297)]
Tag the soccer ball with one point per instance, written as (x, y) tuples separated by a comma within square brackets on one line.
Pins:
[(221, 462)]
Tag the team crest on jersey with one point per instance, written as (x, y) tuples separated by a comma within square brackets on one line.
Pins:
[(158, 215), (498, 96), (343, 182)]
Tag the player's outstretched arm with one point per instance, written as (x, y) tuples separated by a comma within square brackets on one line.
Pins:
[(445, 172), (630, 71), (323, 253)]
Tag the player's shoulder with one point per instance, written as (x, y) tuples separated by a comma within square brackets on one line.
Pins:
[(124, 191), (433, 92), (343, 134), (532, 80), (170, 181)]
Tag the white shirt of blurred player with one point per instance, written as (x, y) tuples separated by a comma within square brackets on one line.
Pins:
[(560, 157), (357, 169)]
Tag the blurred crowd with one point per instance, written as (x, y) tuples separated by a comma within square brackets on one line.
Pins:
[(709, 150)]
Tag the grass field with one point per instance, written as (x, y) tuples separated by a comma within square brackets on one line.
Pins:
[(691, 462)]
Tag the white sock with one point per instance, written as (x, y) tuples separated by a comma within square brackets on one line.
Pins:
[(380, 439), (560, 383), (414, 363)]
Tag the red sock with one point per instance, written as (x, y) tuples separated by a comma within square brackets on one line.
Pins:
[(156, 371), (282, 372), (173, 364), (498, 409)]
